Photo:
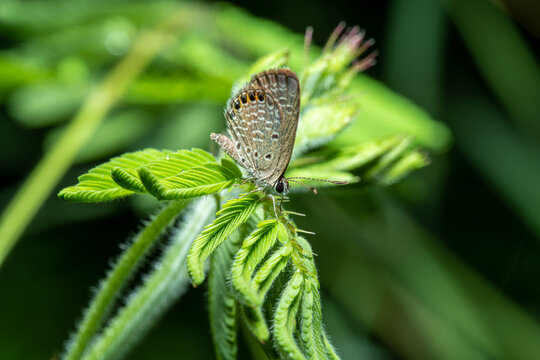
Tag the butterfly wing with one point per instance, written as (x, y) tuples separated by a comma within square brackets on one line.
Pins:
[(262, 118), (283, 88)]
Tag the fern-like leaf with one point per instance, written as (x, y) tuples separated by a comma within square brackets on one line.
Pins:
[(254, 318), (252, 252), (307, 331), (383, 161), (327, 348), (285, 318), (233, 214), (270, 270), (188, 174), (97, 185)]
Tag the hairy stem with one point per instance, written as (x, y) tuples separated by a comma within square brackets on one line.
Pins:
[(164, 285), (110, 287)]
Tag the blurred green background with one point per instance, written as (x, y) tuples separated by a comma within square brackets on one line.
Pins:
[(443, 265)]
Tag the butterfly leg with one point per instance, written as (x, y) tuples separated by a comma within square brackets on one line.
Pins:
[(274, 202), (227, 145)]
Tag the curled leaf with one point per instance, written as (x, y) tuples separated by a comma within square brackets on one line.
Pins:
[(253, 251), (98, 185), (233, 214)]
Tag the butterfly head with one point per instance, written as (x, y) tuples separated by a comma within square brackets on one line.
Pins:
[(281, 187)]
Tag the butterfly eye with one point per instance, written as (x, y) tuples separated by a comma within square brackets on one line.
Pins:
[(236, 104), (243, 99), (251, 96), (260, 96), (280, 186)]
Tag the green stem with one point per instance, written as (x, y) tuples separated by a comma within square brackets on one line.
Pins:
[(161, 288), (116, 278), (59, 158)]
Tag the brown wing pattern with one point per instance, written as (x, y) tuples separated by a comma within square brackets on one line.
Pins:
[(262, 119), (284, 87)]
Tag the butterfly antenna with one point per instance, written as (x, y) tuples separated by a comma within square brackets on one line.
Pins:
[(298, 182)]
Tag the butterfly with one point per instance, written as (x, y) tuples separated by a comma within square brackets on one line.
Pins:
[(262, 118)]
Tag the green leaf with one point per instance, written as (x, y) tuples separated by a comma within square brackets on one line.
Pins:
[(273, 60), (222, 303), (385, 113), (308, 333), (97, 185), (253, 251), (350, 157), (180, 161), (187, 174), (231, 167), (233, 214), (320, 123), (406, 163), (396, 163), (314, 340), (270, 269), (254, 318), (201, 180), (304, 260), (128, 179), (285, 318), (383, 161)]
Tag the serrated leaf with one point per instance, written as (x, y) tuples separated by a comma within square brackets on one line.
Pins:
[(391, 155), (270, 269), (183, 174), (403, 166), (254, 318), (232, 167), (166, 166), (234, 213), (307, 333), (306, 260), (97, 185), (329, 349), (128, 179), (314, 341), (201, 180), (383, 161), (352, 157), (253, 251), (284, 318), (179, 161), (397, 162)]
